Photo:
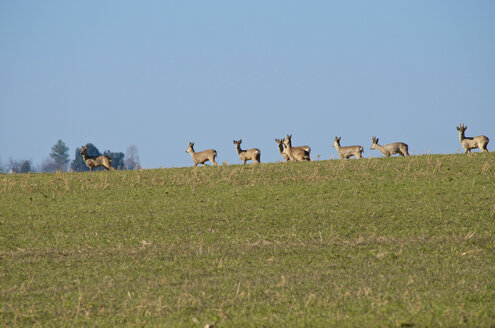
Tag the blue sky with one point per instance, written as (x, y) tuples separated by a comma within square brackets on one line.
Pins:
[(158, 74)]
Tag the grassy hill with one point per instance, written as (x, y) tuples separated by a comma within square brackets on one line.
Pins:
[(404, 242)]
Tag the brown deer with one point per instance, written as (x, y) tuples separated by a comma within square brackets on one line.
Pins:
[(95, 161), (390, 149), (202, 156), (469, 143), (280, 144), (294, 153), (288, 138), (347, 151), (246, 155)]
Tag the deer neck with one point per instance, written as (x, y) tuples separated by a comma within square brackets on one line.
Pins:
[(192, 152), (379, 147), (239, 150)]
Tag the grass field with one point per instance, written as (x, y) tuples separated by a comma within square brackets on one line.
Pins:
[(399, 242)]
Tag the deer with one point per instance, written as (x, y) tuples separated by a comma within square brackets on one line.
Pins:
[(202, 156), (469, 143), (288, 138), (347, 151), (295, 154), (280, 144), (390, 149), (246, 155), (95, 161)]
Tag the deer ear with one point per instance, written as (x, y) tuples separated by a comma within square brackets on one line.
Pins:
[(240, 140)]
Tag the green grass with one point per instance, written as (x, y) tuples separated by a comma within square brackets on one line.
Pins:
[(399, 242)]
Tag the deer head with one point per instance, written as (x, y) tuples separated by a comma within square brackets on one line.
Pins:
[(374, 142), (461, 128), (190, 148)]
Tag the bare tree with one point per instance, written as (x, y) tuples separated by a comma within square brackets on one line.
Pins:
[(131, 161), (48, 165)]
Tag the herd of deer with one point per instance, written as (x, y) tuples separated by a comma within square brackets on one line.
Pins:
[(300, 153)]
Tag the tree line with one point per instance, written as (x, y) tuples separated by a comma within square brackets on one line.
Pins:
[(59, 160)]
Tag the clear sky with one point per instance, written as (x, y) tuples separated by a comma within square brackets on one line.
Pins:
[(158, 74)]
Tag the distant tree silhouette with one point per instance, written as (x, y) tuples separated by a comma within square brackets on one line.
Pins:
[(117, 159), (131, 161), (60, 155), (48, 165), (22, 166)]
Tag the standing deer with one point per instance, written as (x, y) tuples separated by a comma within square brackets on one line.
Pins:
[(95, 161), (288, 139), (390, 149), (246, 155), (469, 143), (347, 151), (202, 156), (280, 144), (294, 153)]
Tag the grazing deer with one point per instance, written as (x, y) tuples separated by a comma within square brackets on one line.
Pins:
[(246, 155), (202, 156), (289, 142), (390, 149), (469, 143), (347, 151), (280, 144), (294, 153), (95, 161)]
